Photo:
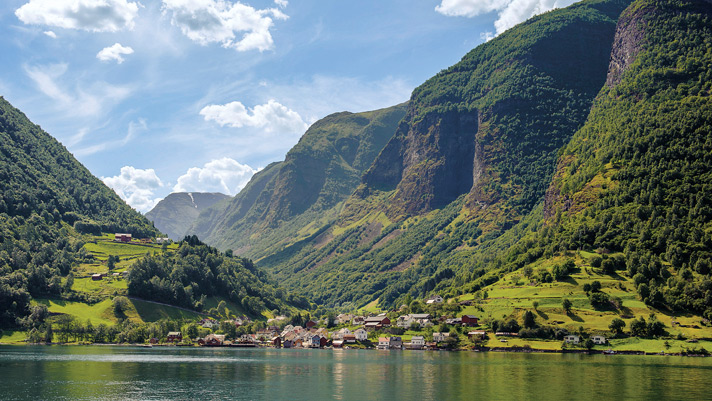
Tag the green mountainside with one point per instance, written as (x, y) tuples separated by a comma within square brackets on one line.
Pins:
[(175, 214), (53, 212), (292, 200), (474, 154)]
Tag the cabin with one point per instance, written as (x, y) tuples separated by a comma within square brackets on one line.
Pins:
[(440, 337), (572, 339), (174, 337), (276, 342), (598, 340), (312, 323), (121, 237), (396, 343), (338, 343), (97, 277), (323, 342), (357, 320), (349, 338), (470, 320), (162, 240)]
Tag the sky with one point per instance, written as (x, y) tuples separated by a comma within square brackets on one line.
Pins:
[(162, 96)]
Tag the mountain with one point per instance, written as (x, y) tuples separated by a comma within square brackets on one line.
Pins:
[(53, 216), (292, 200), (471, 159), (178, 211), (47, 201)]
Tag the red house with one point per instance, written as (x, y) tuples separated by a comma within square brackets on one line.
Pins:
[(470, 320), (119, 237), (311, 324), (174, 336)]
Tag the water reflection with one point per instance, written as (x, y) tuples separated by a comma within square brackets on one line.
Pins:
[(63, 373)]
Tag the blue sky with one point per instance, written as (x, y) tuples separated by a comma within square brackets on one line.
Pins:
[(157, 96)]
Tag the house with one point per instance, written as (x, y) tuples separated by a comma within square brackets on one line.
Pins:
[(120, 237), (435, 299), (207, 323), (153, 341), (431, 345), (421, 318), (416, 342), (383, 342), (214, 340), (357, 320), (344, 318), (598, 340), (395, 343), (454, 320), (174, 337), (97, 277), (477, 335), (337, 343), (312, 323), (506, 334), (470, 320), (323, 342), (361, 335), (404, 321), (163, 240), (572, 339), (339, 335), (440, 337), (287, 344), (377, 322), (276, 341), (349, 338), (465, 303)]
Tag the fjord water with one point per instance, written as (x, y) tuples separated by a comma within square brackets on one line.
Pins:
[(111, 373)]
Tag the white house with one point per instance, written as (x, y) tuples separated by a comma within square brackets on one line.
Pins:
[(438, 337), (417, 342), (339, 335), (572, 339), (404, 321), (598, 340), (384, 342), (361, 335), (435, 299)]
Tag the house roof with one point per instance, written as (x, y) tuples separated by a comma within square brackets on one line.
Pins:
[(471, 316), (420, 315), (173, 333)]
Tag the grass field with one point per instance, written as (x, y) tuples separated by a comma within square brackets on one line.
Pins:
[(514, 294), (13, 337), (151, 312), (98, 313)]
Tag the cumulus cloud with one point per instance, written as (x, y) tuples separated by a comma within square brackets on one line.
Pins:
[(88, 15), (281, 3), (136, 187), (114, 52), (50, 34), (272, 117), (509, 12), (222, 175), (220, 21)]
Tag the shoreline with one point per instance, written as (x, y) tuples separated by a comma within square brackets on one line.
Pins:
[(476, 350)]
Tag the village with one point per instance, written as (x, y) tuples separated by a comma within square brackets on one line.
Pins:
[(352, 331)]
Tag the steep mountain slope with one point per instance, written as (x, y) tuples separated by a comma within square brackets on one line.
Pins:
[(178, 211), (47, 198), (636, 179), (291, 200), (473, 156)]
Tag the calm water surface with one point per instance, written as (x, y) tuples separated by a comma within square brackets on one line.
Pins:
[(114, 373)]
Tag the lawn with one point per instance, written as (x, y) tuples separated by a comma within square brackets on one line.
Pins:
[(101, 312), (109, 287), (12, 337), (151, 312)]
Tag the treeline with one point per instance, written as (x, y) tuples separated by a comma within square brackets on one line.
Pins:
[(195, 272)]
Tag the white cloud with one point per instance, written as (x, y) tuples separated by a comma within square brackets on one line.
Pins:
[(222, 175), (89, 101), (136, 187), (218, 21), (88, 15), (509, 12), (281, 3), (114, 53), (50, 34), (272, 117)]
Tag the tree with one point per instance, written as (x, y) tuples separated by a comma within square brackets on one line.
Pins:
[(566, 304), (588, 344), (617, 326), (121, 305), (638, 327), (529, 320), (535, 304), (595, 286), (48, 333)]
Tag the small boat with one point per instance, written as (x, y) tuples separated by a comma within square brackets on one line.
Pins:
[(609, 352)]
